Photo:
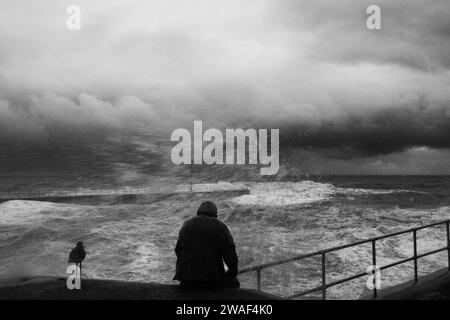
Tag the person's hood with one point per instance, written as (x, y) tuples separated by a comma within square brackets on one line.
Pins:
[(207, 208)]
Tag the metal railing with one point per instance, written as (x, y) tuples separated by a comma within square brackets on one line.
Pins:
[(323, 253)]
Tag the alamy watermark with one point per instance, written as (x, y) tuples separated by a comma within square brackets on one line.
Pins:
[(241, 147), (74, 278), (74, 20), (373, 21), (374, 280)]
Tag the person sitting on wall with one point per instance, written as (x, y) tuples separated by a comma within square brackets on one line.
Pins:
[(204, 244)]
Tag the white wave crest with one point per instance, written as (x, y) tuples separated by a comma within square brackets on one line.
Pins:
[(23, 211), (285, 193), (357, 191)]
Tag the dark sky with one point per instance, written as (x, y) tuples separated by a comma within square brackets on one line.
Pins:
[(347, 100)]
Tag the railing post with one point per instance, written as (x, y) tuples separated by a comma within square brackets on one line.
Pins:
[(374, 263), (324, 289), (258, 279), (415, 255), (448, 243)]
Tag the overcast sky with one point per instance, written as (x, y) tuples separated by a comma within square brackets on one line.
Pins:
[(350, 100)]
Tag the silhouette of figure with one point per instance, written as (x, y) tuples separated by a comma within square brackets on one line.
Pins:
[(204, 244), (77, 254)]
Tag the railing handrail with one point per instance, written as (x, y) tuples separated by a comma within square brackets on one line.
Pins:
[(372, 240), (336, 248)]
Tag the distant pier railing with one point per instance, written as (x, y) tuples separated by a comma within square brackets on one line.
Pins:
[(323, 288)]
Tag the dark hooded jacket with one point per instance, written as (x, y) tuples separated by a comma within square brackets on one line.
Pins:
[(204, 243)]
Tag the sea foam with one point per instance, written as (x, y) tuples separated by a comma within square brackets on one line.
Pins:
[(285, 193)]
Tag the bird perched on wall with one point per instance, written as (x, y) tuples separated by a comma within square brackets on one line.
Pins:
[(77, 254)]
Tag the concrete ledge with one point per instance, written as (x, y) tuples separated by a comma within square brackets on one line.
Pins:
[(54, 288)]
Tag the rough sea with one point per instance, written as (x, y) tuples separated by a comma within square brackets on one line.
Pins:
[(130, 231)]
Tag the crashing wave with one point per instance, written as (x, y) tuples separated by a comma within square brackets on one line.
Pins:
[(22, 211), (285, 193)]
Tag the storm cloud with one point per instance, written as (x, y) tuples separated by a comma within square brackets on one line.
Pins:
[(351, 96)]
